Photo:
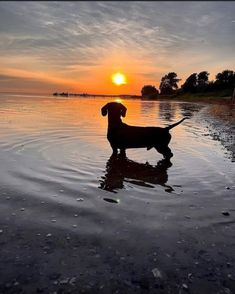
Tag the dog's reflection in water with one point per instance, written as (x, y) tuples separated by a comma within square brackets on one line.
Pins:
[(119, 169)]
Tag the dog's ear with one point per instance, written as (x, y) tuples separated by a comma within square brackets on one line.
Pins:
[(123, 110), (104, 110)]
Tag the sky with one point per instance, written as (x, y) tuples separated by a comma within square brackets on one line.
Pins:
[(76, 46)]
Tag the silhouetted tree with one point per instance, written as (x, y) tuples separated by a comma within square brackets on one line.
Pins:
[(203, 79), (190, 85), (165, 87), (225, 79), (149, 91), (210, 86), (169, 83), (173, 80), (195, 83)]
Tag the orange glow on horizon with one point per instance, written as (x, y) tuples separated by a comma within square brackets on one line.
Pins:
[(116, 74), (29, 75)]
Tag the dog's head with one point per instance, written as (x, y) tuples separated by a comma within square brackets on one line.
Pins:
[(114, 110)]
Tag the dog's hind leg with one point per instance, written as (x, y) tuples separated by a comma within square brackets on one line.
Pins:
[(164, 150), (167, 153)]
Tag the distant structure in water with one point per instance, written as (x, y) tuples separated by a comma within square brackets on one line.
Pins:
[(66, 94)]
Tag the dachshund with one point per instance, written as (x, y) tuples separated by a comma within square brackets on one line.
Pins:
[(122, 136)]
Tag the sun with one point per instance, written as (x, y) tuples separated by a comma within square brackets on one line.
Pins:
[(118, 79)]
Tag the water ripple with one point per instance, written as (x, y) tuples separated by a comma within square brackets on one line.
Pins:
[(55, 155)]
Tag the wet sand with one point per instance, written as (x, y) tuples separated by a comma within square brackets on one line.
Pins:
[(221, 125), (169, 258), (191, 258), (151, 240)]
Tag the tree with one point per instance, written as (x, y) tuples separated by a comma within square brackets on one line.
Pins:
[(190, 85), (173, 80), (227, 77), (225, 80), (165, 87), (169, 83), (203, 78), (149, 90), (210, 86)]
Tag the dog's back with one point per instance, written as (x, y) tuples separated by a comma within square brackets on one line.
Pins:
[(140, 137)]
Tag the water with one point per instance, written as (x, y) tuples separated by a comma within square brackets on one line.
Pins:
[(57, 176)]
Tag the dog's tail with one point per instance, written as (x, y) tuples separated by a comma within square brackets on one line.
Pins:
[(176, 124)]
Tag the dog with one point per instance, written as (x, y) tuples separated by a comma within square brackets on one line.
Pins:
[(122, 136)]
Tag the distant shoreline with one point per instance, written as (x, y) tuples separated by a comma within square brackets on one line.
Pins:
[(220, 97), (210, 98), (66, 94)]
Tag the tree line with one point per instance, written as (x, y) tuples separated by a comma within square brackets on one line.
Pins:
[(195, 83)]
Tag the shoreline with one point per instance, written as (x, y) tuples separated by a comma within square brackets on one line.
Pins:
[(191, 98), (210, 99)]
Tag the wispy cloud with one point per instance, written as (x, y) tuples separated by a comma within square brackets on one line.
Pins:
[(69, 39)]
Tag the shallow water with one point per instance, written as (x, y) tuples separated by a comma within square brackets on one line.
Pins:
[(57, 173), (58, 146)]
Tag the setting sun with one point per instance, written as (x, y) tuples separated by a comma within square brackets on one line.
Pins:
[(118, 79)]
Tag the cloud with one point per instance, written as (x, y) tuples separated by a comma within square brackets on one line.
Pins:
[(74, 39), (18, 84)]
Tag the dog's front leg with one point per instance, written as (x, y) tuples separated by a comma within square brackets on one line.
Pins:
[(123, 152), (115, 151)]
